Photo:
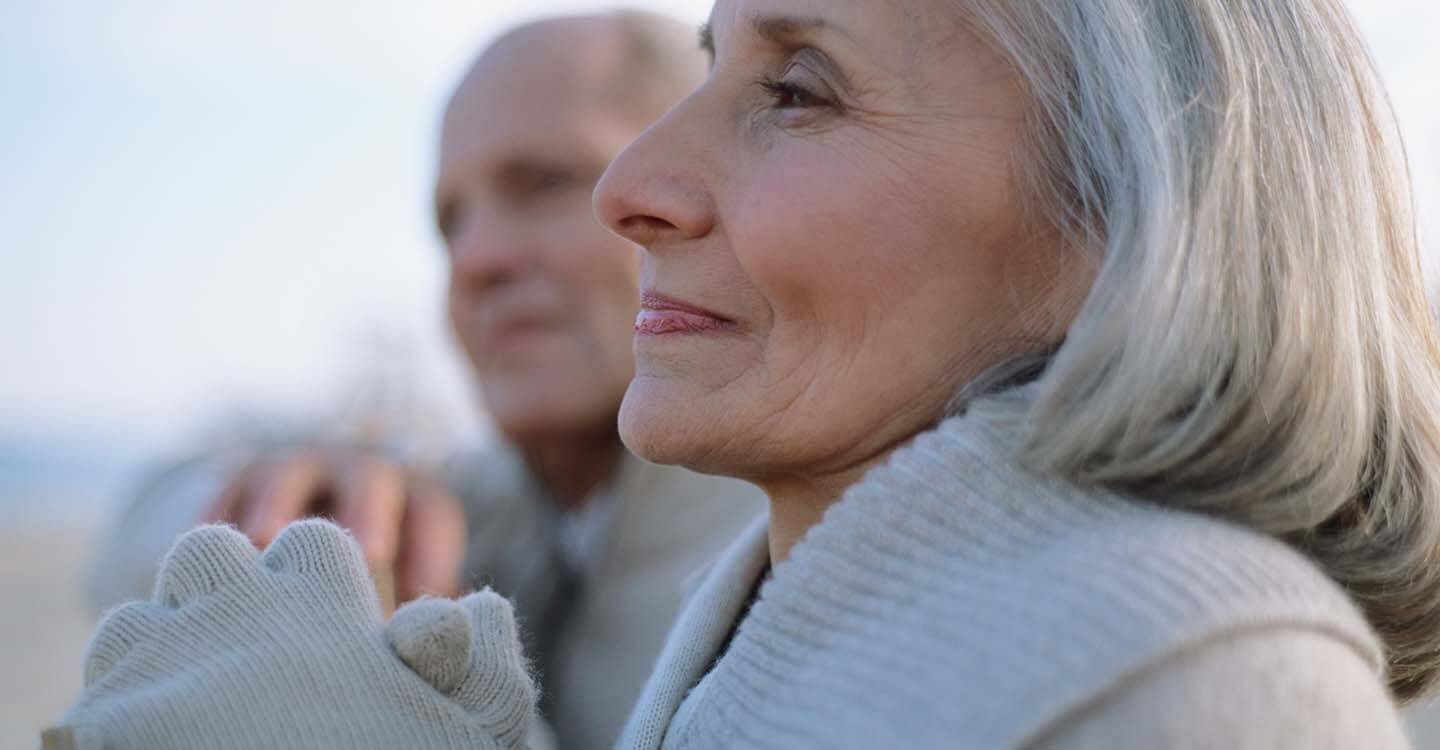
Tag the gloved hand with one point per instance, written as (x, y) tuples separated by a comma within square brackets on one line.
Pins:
[(287, 649)]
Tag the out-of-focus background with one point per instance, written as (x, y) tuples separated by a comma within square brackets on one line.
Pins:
[(215, 223)]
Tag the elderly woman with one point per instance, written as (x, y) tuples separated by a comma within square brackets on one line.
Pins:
[(1080, 347)]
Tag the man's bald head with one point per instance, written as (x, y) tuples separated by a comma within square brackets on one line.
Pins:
[(637, 62)]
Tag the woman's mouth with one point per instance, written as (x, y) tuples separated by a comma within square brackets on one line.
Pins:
[(661, 315)]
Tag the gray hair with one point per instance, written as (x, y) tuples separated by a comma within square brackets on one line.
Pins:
[(1257, 344)]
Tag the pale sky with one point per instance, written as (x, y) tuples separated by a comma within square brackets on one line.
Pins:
[(214, 203)]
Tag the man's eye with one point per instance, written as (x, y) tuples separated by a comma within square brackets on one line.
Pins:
[(555, 180), (447, 219)]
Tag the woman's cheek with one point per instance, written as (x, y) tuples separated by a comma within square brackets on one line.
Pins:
[(810, 223)]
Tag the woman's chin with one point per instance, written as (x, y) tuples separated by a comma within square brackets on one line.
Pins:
[(663, 424)]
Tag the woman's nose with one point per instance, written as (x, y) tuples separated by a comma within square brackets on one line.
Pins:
[(654, 191)]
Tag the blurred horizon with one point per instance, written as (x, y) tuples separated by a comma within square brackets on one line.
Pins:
[(221, 211)]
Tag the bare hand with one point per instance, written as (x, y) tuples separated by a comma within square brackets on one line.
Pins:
[(408, 527)]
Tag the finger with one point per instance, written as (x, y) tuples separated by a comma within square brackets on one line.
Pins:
[(433, 637), (370, 503), (317, 549), (227, 504), (498, 686), (283, 492), (118, 632), (204, 560), (432, 543)]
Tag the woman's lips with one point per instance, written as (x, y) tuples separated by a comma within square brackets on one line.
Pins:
[(663, 315)]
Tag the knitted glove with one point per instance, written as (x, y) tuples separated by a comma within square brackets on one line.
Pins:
[(287, 649)]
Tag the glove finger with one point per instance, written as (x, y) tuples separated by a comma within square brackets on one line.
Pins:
[(201, 561), (319, 550), (433, 637), (498, 687), (119, 630)]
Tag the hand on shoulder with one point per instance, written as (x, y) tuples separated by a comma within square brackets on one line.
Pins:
[(411, 529)]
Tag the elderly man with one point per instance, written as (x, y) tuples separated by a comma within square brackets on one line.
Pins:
[(591, 544)]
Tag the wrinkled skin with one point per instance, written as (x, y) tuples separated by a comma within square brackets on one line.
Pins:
[(850, 206)]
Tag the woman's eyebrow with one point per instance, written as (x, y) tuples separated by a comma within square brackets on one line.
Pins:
[(780, 29), (786, 28)]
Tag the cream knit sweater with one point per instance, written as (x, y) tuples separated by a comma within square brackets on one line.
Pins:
[(949, 600), (953, 601)]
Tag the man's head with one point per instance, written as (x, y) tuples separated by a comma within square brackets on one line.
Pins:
[(542, 297)]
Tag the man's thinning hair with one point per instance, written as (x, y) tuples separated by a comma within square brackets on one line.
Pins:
[(662, 61), (658, 60)]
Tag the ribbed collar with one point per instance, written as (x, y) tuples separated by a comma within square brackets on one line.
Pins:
[(958, 599)]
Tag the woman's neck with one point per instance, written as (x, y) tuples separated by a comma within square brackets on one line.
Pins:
[(796, 504)]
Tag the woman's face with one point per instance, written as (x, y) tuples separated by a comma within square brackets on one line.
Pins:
[(833, 239)]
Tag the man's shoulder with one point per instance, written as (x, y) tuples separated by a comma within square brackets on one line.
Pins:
[(663, 503), (489, 474)]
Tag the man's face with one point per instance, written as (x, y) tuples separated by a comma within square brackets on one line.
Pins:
[(542, 298)]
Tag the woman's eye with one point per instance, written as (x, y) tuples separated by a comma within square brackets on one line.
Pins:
[(790, 95)]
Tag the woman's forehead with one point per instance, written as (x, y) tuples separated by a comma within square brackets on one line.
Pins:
[(890, 33)]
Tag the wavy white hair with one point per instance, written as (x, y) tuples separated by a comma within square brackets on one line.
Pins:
[(1257, 344)]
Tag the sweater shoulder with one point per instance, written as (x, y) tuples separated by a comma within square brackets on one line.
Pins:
[(1271, 688), (1137, 568), (1140, 601), (1168, 577), (950, 568)]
